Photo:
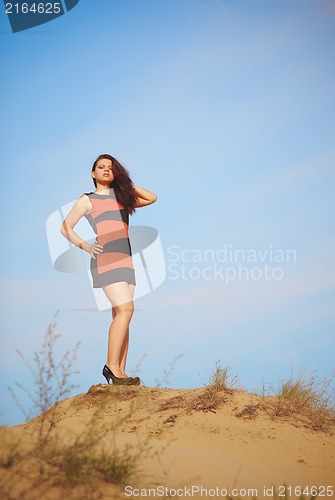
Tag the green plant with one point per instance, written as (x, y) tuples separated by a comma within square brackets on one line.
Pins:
[(50, 376), (95, 454), (76, 460)]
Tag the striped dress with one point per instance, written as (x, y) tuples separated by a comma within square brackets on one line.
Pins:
[(110, 221)]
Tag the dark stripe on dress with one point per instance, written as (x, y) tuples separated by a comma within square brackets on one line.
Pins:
[(111, 228), (114, 276), (120, 245)]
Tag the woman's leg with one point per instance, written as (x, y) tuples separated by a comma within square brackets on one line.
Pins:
[(121, 299), (123, 354), (124, 350)]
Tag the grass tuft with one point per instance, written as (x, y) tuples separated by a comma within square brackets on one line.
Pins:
[(222, 378), (216, 392), (92, 458), (307, 400), (50, 375)]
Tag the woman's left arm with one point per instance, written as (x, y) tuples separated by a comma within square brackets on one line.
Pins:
[(144, 197)]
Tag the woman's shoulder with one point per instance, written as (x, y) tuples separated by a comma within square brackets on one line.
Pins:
[(84, 200), (84, 203)]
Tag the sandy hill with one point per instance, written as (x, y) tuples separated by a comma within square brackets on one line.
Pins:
[(137, 441)]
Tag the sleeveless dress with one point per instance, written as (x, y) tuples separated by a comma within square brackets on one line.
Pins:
[(110, 222)]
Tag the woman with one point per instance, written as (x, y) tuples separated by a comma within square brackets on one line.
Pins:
[(107, 209)]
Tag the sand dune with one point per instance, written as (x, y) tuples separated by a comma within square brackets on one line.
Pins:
[(189, 443)]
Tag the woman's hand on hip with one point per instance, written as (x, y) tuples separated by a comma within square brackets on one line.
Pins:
[(95, 250)]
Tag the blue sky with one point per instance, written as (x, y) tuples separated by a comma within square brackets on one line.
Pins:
[(226, 111)]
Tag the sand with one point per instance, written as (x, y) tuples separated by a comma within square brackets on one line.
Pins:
[(189, 443)]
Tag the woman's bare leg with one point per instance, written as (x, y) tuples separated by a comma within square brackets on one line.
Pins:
[(124, 350), (121, 299), (124, 353)]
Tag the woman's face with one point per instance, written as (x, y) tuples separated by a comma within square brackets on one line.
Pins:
[(103, 172)]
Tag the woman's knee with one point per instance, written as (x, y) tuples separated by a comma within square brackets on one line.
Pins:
[(113, 312), (126, 308)]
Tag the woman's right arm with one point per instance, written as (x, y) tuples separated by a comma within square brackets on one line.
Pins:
[(79, 209)]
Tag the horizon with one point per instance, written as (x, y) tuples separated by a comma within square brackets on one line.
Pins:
[(225, 110)]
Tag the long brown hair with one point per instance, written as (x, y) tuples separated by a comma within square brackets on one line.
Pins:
[(122, 184)]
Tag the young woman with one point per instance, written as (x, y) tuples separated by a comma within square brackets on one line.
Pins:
[(107, 210)]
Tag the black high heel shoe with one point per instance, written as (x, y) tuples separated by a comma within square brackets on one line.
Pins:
[(108, 374), (136, 380)]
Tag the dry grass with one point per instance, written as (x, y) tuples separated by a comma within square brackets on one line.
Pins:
[(83, 464), (92, 458), (210, 399), (305, 401), (250, 411), (222, 378), (216, 393), (50, 376)]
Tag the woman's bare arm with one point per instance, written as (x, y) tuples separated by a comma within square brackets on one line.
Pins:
[(80, 208), (144, 197)]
